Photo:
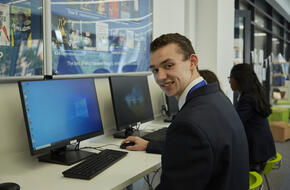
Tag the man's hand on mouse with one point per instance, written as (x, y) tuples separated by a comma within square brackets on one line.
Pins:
[(140, 144)]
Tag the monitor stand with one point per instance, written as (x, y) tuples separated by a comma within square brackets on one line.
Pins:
[(64, 156), (169, 118), (130, 132)]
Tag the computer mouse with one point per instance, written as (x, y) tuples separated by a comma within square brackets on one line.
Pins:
[(9, 186), (124, 145)]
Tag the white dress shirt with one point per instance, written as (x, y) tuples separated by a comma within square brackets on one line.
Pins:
[(182, 98)]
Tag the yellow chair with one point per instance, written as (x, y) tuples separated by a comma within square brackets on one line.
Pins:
[(256, 181), (272, 164)]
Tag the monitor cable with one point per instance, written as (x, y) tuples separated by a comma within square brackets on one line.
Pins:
[(150, 182), (138, 124), (164, 111), (77, 146), (99, 148)]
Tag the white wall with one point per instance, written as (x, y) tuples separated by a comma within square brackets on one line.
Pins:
[(168, 17), (190, 14), (12, 129), (206, 34), (225, 43), (215, 38)]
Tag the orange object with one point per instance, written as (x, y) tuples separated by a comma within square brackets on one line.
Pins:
[(280, 130)]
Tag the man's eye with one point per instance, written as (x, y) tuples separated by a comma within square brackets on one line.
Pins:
[(154, 71), (168, 66)]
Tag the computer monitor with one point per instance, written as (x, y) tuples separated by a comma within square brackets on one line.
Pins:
[(172, 105), (132, 103), (59, 113), (172, 108)]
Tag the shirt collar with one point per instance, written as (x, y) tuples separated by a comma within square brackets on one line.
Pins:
[(239, 95), (182, 98)]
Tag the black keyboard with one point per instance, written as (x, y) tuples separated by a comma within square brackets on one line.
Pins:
[(94, 164), (158, 135)]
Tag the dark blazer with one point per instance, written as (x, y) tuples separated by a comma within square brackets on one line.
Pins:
[(260, 139), (155, 147), (206, 146)]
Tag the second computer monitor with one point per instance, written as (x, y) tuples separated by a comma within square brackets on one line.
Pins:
[(172, 108), (131, 100), (172, 105)]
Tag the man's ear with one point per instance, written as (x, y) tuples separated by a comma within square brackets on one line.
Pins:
[(193, 60)]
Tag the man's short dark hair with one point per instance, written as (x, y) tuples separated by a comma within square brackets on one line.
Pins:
[(181, 41)]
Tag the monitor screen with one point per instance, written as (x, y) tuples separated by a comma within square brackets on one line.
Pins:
[(131, 100), (172, 105), (58, 112)]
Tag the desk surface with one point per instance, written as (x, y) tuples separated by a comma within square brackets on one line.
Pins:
[(31, 174)]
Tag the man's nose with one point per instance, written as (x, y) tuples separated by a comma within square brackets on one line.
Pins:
[(161, 75)]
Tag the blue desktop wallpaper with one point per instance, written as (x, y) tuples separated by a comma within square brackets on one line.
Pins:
[(60, 109)]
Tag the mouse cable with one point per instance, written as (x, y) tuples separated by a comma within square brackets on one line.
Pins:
[(91, 147), (109, 145), (137, 127), (163, 111), (100, 148)]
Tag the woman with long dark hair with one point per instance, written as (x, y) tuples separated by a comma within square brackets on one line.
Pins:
[(210, 77), (253, 108)]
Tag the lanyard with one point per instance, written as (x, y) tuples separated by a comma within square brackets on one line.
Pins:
[(200, 84)]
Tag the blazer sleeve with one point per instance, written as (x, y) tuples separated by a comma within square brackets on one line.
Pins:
[(187, 161), (245, 108), (155, 147)]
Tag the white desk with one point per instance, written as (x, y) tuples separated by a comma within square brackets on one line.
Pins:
[(31, 174)]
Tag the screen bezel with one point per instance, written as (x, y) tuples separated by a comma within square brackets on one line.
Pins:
[(119, 126), (64, 142)]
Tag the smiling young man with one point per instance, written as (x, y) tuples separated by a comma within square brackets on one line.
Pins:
[(206, 146)]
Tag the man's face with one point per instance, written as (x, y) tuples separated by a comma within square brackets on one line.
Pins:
[(171, 72)]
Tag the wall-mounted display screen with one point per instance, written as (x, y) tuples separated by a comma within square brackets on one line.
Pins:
[(96, 36), (21, 41)]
